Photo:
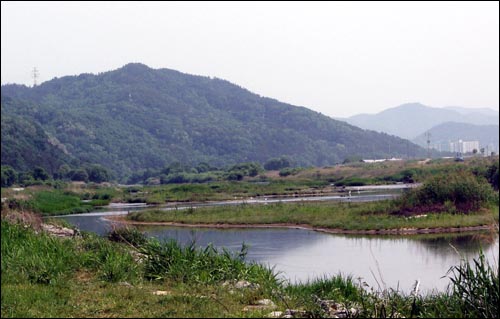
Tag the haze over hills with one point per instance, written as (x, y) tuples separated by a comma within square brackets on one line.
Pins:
[(444, 133), (412, 119), (136, 117), (466, 110)]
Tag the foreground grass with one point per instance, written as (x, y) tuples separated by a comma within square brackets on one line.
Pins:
[(348, 216), (44, 276), (89, 276)]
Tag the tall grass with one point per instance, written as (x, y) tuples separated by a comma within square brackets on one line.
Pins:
[(473, 293), (40, 258), (44, 259), (169, 260), (476, 287)]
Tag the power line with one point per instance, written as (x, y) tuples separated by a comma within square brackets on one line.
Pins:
[(34, 75)]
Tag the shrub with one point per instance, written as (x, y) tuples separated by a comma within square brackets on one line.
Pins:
[(459, 189), (79, 175), (235, 176), (176, 178), (39, 173), (290, 171), (247, 169), (277, 163), (9, 176), (492, 175)]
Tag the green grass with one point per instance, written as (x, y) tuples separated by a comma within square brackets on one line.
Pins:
[(216, 191), (89, 298), (349, 216), (81, 277), (57, 202)]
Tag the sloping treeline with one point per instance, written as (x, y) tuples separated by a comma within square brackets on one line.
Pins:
[(138, 118)]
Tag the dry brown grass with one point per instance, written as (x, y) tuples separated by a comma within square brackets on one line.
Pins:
[(26, 218)]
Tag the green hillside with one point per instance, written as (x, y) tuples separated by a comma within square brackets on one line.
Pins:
[(136, 118), (25, 145)]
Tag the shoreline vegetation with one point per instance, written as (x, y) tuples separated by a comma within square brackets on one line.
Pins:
[(396, 231), (449, 197), (444, 203)]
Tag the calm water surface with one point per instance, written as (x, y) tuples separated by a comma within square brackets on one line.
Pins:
[(385, 261)]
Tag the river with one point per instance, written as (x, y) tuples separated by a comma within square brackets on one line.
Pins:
[(300, 255)]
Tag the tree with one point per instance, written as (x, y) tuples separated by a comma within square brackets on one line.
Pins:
[(25, 178), (277, 163), (247, 169), (79, 175), (235, 176), (97, 173), (39, 173), (63, 172), (492, 175), (203, 167), (9, 176), (176, 167)]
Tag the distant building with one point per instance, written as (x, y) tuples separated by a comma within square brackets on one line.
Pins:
[(464, 146)]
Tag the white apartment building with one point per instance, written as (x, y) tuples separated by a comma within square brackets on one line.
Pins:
[(464, 146)]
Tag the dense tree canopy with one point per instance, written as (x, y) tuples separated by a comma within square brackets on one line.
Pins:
[(137, 118), (277, 163)]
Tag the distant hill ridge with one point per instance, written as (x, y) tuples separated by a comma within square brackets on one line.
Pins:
[(412, 119), (136, 118), (486, 135)]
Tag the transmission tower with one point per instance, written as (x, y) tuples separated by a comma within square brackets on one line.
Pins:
[(35, 75), (428, 135)]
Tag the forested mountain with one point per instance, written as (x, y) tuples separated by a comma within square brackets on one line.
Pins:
[(25, 145), (137, 117), (487, 135), (412, 119)]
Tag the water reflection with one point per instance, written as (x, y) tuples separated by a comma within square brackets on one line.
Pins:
[(464, 243)]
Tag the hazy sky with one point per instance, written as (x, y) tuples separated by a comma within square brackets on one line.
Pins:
[(336, 58)]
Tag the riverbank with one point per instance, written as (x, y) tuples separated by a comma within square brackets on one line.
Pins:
[(339, 218), (398, 231)]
